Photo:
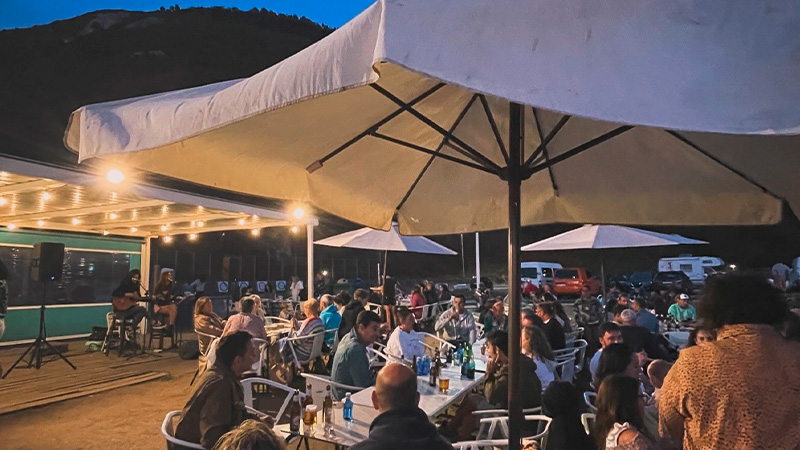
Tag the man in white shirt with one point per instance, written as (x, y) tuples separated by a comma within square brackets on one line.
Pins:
[(457, 324), (404, 342), (610, 333)]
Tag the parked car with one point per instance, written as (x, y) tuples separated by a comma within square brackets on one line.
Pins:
[(538, 272), (672, 280), (569, 281), (621, 281)]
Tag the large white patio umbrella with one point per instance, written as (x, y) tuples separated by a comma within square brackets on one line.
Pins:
[(387, 241), (599, 237), (470, 115)]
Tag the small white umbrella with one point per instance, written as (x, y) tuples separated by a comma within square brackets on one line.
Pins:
[(392, 240), (598, 237)]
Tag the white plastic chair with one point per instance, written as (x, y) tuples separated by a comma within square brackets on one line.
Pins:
[(580, 357), (377, 358), (168, 431), (480, 327), (316, 348), (500, 424), (435, 341), (480, 445), (566, 369), (323, 381), (211, 342), (258, 366), (374, 307), (589, 398), (587, 419), (489, 413), (247, 386)]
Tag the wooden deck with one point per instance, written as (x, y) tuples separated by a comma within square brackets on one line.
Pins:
[(56, 381)]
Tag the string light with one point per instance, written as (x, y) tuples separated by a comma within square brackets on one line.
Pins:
[(134, 229), (201, 224), (295, 229), (167, 239), (11, 227), (193, 237), (3, 201), (76, 221), (255, 231), (40, 223), (298, 213), (105, 232), (113, 216), (46, 196), (164, 228), (241, 221)]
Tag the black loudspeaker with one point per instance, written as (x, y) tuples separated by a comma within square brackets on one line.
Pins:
[(47, 261)]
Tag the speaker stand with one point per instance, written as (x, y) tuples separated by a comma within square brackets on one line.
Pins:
[(40, 344)]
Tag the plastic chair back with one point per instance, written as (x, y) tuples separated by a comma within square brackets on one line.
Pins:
[(168, 431), (587, 419), (247, 386)]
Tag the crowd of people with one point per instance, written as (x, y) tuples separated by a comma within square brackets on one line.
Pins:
[(732, 387)]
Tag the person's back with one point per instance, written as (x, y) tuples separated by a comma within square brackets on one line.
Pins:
[(562, 403), (741, 391), (745, 391), (401, 425), (351, 311)]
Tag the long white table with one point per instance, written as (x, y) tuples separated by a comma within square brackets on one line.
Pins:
[(342, 433), (431, 400)]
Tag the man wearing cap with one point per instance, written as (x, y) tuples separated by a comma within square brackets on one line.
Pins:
[(682, 310)]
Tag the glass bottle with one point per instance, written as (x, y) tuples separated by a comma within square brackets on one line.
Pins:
[(294, 414)]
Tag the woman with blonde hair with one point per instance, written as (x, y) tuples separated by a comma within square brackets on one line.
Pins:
[(536, 346), (250, 435), (206, 322)]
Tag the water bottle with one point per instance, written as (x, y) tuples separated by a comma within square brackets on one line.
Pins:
[(426, 366), (459, 355), (347, 408)]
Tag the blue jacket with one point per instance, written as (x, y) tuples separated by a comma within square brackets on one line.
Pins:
[(351, 364), (646, 319), (331, 318)]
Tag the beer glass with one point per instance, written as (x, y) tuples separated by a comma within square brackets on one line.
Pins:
[(444, 384), (310, 417)]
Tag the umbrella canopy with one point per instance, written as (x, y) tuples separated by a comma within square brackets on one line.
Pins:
[(392, 240), (608, 236), (469, 115), (406, 81)]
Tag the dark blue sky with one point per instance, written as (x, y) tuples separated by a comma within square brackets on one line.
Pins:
[(26, 13)]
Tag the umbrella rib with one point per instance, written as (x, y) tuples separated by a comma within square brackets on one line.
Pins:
[(452, 129), (484, 160), (427, 151), (318, 163), (735, 171), (579, 149), (545, 152), (493, 123), (546, 140)]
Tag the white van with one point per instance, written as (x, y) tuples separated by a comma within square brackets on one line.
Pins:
[(537, 272), (697, 268)]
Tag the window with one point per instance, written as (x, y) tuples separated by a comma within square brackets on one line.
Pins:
[(547, 272), (88, 277), (686, 268), (566, 273), (529, 272)]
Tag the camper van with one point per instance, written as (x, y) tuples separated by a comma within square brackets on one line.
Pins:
[(537, 272), (697, 268)]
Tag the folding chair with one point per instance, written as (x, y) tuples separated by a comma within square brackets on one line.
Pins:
[(168, 431), (590, 397), (500, 424)]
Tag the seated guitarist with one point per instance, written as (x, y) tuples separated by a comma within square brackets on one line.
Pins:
[(165, 299), (126, 295)]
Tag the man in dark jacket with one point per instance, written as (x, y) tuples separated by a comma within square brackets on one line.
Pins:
[(217, 403), (552, 329), (351, 310), (401, 424)]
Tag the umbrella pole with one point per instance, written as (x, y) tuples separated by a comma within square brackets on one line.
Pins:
[(514, 178), (603, 275)]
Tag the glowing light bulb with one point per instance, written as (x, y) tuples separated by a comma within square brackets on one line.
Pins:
[(3, 201), (193, 237), (11, 227), (40, 223), (200, 224), (295, 229), (241, 221), (134, 229), (298, 213), (113, 216), (46, 196), (76, 221), (164, 228), (105, 232), (115, 176), (255, 231), (167, 239)]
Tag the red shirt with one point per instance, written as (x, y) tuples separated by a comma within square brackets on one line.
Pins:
[(417, 300)]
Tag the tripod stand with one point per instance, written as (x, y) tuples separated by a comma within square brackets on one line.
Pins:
[(38, 346)]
